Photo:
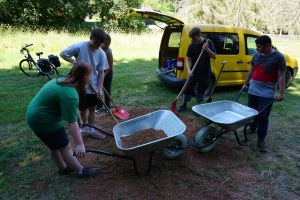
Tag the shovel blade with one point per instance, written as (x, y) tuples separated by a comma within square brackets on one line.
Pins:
[(173, 106), (121, 113)]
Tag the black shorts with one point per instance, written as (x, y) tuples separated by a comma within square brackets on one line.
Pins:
[(54, 140), (89, 100)]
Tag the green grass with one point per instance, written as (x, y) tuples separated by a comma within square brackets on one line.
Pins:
[(23, 158)]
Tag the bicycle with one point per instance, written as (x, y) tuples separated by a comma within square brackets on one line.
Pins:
[(43, 67)]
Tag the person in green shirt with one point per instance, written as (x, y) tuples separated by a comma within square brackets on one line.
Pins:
[(58, 101)]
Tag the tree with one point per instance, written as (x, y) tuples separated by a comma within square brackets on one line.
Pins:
[(43, 12)]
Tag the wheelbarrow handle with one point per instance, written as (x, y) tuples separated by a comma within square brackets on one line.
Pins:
[(240, 92), (268, 105)]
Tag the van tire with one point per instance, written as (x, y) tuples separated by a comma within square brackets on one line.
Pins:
[(209, 88), (288, 78)]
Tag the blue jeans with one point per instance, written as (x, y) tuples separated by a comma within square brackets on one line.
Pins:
[(260, 121)]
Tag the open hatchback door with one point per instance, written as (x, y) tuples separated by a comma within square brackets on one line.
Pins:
[(153, 15)]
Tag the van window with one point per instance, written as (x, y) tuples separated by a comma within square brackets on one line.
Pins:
[(250, 45), (225, 43), (174, 40)]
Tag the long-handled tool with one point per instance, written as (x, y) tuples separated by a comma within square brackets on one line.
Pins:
[(173, 106), (215, 84), (91, 86), (119, 112), (150, 77)]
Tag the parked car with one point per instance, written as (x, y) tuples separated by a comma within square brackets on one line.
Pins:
[(236, 45)]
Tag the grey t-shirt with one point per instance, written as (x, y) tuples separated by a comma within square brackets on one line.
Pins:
[(97, 59)]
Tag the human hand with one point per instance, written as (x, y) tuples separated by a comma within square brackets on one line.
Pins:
[(280, 97), (80, 151)]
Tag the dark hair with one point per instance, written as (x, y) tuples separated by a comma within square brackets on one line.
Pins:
[(76, 76), (194, 31), (98, 34), (263, 40), (108, 38)]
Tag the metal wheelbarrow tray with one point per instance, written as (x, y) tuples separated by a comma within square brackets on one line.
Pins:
[(229, 115), (160, 120)]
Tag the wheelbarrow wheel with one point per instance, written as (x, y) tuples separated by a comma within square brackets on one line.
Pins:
[(204, 137), (171, 152)]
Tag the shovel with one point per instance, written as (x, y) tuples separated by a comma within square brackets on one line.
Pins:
[(91, 86), (119, 112), (209, 98), (173, 106)]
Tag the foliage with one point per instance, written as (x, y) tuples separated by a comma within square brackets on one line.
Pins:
[(112, 14), (37, 13)]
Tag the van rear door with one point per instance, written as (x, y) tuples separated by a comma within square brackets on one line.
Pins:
[(153, 15)]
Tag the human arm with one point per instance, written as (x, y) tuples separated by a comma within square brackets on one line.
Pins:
[(66, 57), (248, 77), (80, 148), (188, 66), (281, 84), (206, 47), (100, 80), (110, 63)]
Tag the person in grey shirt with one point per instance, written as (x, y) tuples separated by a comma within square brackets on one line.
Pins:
[(90, 52)]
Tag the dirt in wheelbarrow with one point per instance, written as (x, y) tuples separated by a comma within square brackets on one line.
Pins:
[(222, 173)]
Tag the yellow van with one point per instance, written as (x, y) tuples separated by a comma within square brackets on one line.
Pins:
[(235, 45)]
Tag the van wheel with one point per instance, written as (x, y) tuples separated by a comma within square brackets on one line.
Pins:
[(288, 79), (209, 88)]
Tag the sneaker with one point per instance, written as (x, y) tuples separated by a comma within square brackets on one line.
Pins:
[(98, 110), (262, 146), (88, 172), (65, 171), (97, 135), (182, 108), (82, 132), (249, 131)]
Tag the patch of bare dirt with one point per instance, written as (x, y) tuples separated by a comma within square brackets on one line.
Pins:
[(219, 174)]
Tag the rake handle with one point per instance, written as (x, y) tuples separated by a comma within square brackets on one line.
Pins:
[(91, 86)]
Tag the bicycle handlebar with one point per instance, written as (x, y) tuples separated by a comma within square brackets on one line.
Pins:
[(25, 46)]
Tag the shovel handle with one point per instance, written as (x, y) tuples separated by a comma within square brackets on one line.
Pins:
[(105, 91), (91, 86)]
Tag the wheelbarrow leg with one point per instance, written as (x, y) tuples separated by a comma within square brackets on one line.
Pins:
[(245, 136)]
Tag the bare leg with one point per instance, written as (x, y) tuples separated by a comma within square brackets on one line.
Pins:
[(91, 115), (56, 157), (70, 160), (83, 115)]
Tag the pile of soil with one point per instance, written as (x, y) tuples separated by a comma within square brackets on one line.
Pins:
[(142, 137)]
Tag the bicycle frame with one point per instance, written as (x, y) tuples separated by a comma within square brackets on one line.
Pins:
[(29, 60)]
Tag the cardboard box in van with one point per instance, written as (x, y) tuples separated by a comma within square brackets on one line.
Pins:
[(236, 45)]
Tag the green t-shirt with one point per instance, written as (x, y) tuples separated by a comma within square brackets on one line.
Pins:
[(52, 104)]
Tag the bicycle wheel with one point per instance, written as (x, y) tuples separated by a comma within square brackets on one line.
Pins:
[(28, 68)]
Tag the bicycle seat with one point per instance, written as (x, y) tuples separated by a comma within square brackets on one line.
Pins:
[(39, 53)]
